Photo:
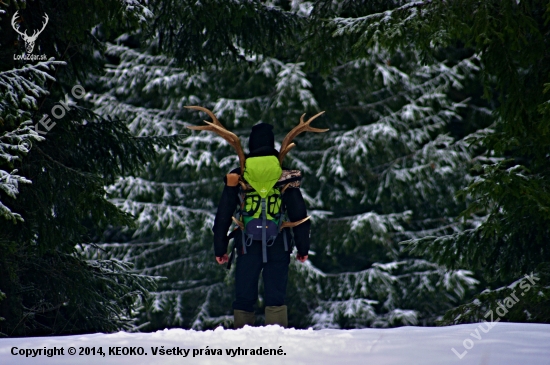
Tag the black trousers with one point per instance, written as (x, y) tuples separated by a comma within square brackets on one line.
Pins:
[(274, 273)]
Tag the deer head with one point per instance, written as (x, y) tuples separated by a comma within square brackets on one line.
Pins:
[(29, 40)]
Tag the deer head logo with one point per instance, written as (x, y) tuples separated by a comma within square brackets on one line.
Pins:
[(29, 40)]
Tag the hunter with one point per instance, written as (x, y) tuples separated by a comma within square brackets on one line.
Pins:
[(263, 200)]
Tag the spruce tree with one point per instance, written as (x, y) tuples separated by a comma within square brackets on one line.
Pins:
[(174, 199), (387, 171), (52, 196), (510, 189)]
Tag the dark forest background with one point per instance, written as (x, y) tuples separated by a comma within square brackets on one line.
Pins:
[(429, 196)]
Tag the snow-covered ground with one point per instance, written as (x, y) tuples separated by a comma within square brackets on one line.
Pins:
[(503, 344)]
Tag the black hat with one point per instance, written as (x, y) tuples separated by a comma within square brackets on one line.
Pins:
[(261, 137)]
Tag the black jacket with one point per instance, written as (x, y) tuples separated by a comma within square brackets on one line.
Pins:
[(295, 208)]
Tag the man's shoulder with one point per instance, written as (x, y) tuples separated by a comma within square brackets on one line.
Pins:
[(236, 170)]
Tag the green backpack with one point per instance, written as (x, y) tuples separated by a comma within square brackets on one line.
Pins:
[(261, 211)]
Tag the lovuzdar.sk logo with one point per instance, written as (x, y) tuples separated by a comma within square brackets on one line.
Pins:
[(30, 40)]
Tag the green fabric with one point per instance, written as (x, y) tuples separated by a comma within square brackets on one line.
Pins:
[(252, 204), (262, 173)]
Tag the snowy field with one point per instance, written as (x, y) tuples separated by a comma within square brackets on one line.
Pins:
[(503, 344)]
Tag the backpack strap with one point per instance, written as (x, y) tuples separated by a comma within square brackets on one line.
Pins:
[(246, 239), (264, 232), (232, 247)]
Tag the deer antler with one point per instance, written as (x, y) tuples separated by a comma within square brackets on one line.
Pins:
[(293, 224), (15, 26), (36, 33), (219, 129), (302, 127)]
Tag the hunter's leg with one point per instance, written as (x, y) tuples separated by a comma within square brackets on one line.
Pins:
[(247, 273), (275, 275)]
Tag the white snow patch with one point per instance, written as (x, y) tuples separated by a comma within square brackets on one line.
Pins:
[(504, 344)]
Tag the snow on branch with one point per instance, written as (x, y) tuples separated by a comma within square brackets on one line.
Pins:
[(141, 121), (368, 24), (155, 217), (134, 188), (136, 9), (292, 81), (21, 88)]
